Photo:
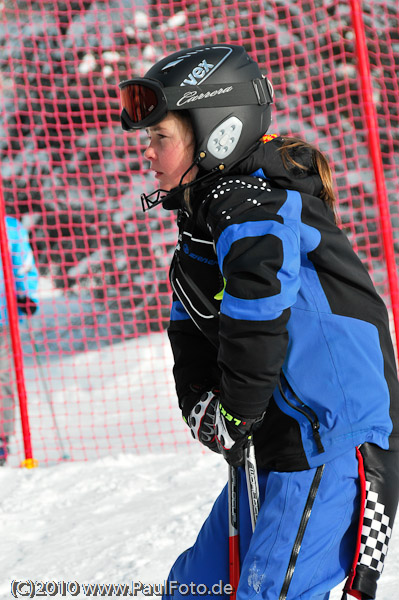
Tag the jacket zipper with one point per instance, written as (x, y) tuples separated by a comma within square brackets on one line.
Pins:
[(306, 411), (301, 532)]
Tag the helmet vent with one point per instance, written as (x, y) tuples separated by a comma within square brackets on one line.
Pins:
[(224, 138)]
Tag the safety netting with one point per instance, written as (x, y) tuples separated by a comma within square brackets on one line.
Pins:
[(97, 365)]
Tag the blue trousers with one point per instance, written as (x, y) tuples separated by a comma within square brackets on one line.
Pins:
[(326, 545)]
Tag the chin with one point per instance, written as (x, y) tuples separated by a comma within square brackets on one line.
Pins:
[(163, 186), (166, 186)]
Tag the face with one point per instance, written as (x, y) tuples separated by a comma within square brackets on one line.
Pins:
[(171, 151)]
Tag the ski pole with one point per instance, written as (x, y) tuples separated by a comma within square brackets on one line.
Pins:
[(251, 473), (234, 550), (65, 455)]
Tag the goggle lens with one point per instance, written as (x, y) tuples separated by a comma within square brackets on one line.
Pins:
[(139, 101)]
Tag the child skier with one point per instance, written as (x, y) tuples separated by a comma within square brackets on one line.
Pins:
[(276, 331)]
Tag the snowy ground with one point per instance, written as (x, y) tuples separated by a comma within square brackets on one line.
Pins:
[(114, 520), (115, 517)]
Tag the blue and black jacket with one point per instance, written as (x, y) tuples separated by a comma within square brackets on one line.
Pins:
[(273, 307)]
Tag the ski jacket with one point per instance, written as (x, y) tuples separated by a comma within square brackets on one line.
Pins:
[(23, 267), (272, 306)]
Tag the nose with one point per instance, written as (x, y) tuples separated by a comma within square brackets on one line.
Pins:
[(149, 152)]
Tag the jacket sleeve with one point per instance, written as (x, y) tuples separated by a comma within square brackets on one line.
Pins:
[(195, 357), (259, 255)]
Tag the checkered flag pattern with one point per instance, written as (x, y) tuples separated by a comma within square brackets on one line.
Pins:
[(376, 532)]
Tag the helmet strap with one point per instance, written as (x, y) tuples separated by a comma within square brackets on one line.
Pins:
[(161, 195)]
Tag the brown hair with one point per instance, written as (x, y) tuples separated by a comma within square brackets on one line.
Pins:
[(319, 164), (183, 116)]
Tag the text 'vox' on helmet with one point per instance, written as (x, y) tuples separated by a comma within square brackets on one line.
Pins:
[(223, 91)]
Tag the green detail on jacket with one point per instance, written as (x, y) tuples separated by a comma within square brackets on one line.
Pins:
[(219, 295)]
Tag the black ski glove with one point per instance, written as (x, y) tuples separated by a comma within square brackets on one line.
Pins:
[(232, 434), (198, 408), (216, 428)]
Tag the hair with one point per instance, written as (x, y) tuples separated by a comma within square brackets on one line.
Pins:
[(183, 116), (319, 164)]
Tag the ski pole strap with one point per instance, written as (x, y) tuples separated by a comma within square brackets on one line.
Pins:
[(251, 473)]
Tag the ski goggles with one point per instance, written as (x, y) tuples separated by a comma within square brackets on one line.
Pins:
[(145, 102)]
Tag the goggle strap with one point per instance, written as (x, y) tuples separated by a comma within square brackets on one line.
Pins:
[(219, 95)]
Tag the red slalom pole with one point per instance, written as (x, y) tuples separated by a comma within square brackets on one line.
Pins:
[(234, 539), (375, 153), (13, 321)]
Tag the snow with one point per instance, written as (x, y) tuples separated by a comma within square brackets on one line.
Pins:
[(114, 520), (120, 517)]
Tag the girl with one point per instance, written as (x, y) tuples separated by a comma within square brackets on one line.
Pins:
[(276, 332)]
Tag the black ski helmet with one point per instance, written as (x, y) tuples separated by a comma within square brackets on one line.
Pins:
[(229, 105)]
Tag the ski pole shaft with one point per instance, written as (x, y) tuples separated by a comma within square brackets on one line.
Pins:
[(251, 473), (234, 551)]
